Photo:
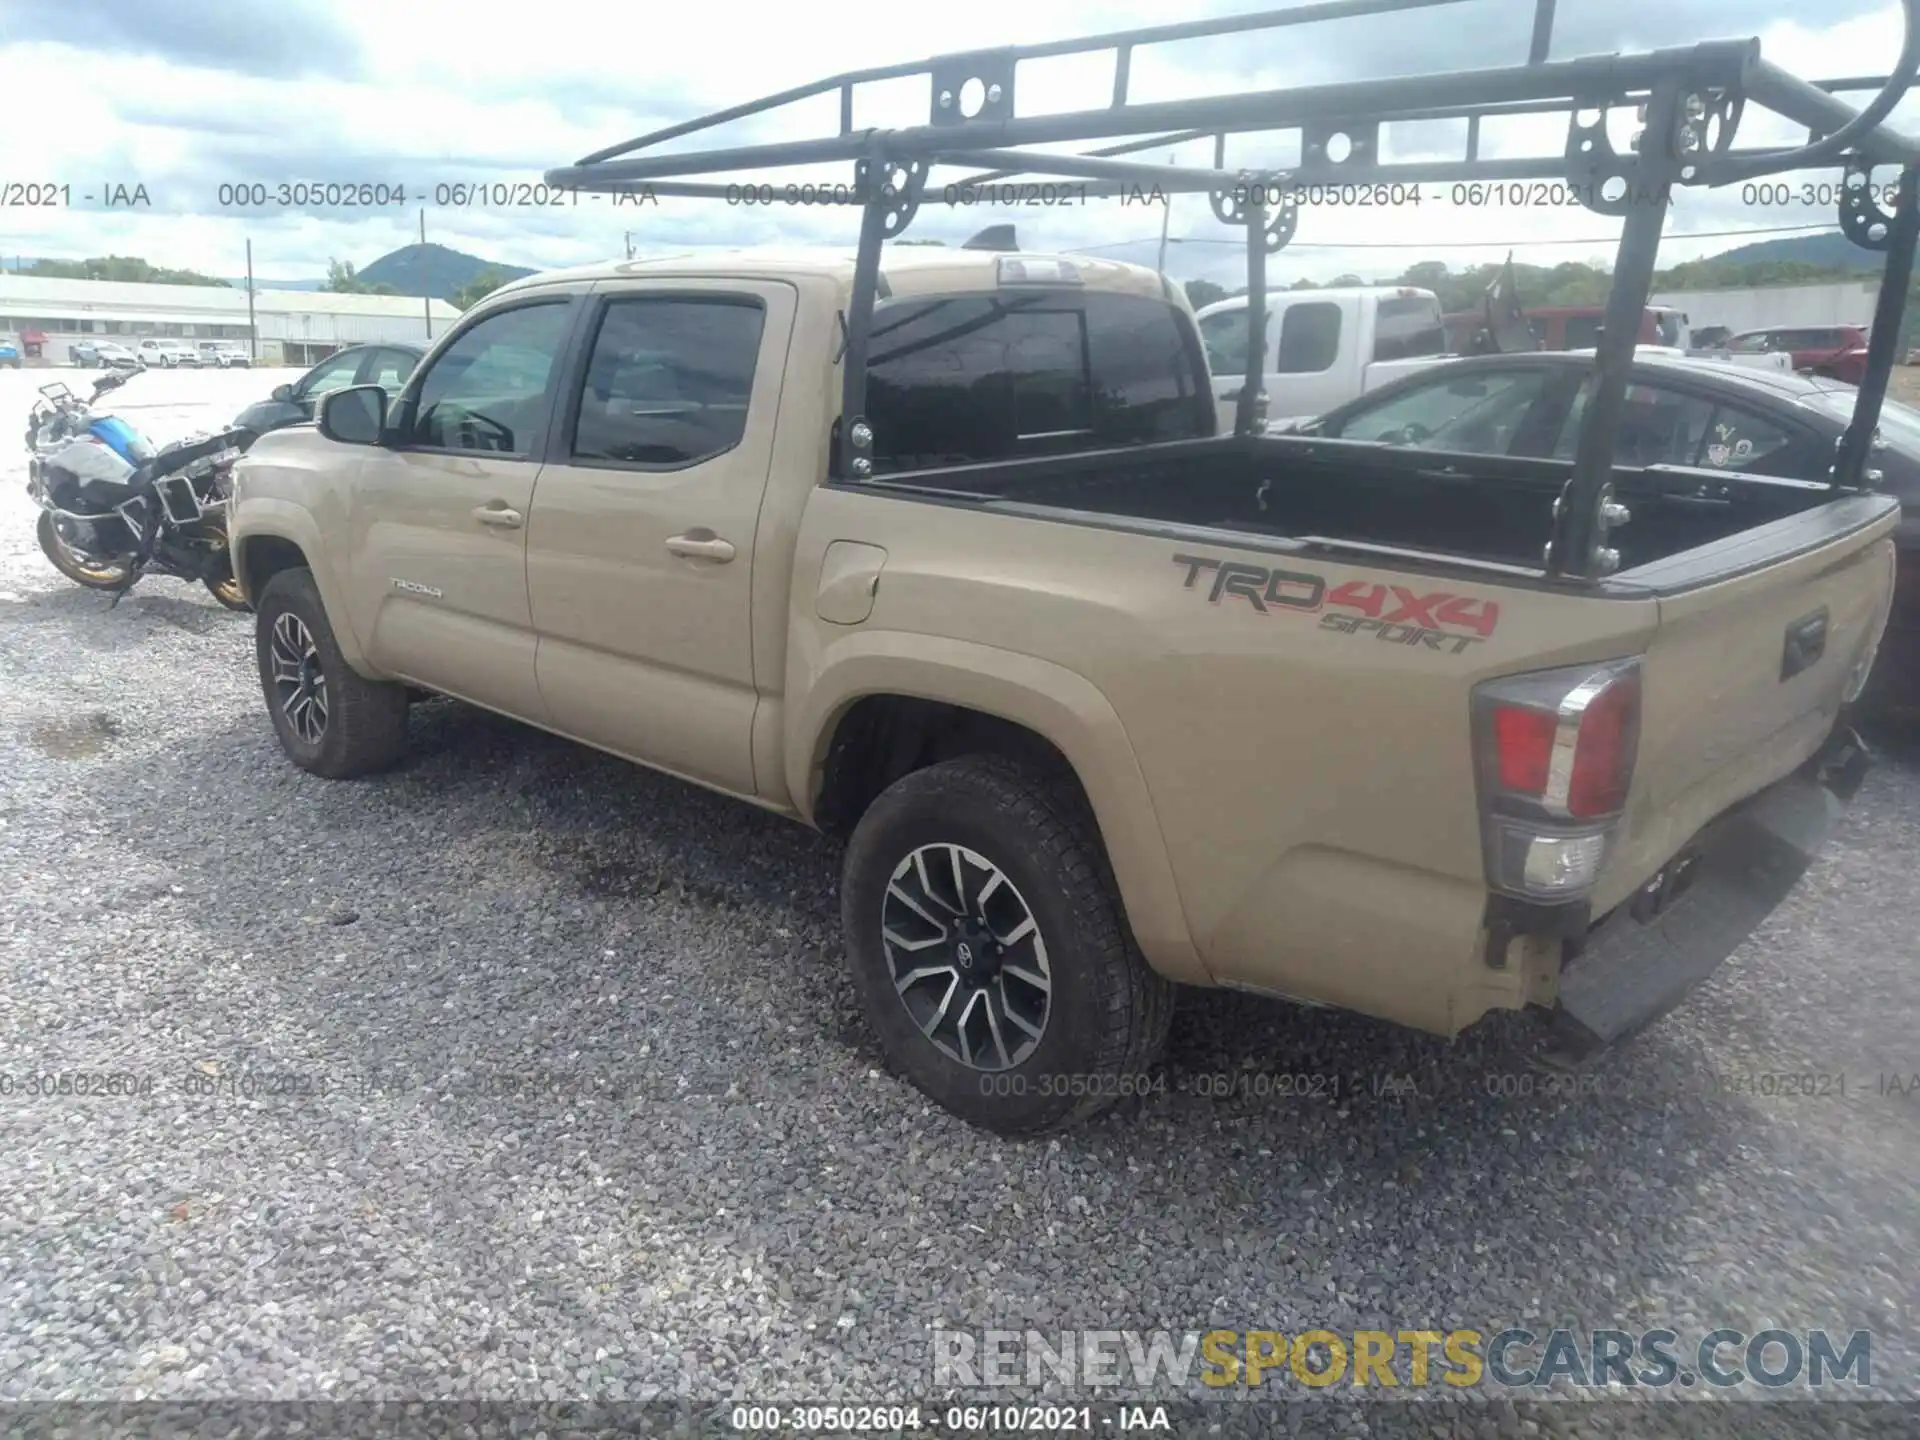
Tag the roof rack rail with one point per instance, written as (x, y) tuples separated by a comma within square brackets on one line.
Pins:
[(1690, 101)]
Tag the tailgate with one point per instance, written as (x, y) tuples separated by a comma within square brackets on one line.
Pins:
[(1745, 675)]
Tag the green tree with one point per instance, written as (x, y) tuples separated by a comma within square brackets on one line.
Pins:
[(478, 288), (130, 268), (342, 279), (1204, 292)]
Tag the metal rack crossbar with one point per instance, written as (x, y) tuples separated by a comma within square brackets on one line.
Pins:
[(1689, 100)]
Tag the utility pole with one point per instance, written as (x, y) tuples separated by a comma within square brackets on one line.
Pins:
[(426, 300), (253, 333), (1166, 219)]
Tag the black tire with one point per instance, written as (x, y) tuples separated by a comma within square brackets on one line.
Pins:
[(94, 577), (1108, 1011), (363, 727)]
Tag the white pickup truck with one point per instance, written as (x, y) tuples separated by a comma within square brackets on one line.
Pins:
[(1324, 347)]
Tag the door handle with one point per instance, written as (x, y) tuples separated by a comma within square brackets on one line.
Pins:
[(702, 545), (498, 515)]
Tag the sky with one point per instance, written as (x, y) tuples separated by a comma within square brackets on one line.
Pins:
[(209, 107)]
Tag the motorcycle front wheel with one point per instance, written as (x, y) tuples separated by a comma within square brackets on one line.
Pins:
[(226, 590), (82, 570)]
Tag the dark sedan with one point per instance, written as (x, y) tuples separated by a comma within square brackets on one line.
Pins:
[(1706, 414), (387, 364)]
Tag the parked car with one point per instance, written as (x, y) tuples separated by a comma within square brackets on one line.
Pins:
[(97, 354), (1838, 352), (168, 354), (1323, 346), (1696, 415), (224, 355), (387, 364), (9, 351), (1102, 701)]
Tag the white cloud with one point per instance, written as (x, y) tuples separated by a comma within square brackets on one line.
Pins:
[(449, 91)]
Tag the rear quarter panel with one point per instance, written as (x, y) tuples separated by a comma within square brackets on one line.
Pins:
[(1306, 785)]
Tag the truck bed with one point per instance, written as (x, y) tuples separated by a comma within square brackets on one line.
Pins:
[(1474, 508)]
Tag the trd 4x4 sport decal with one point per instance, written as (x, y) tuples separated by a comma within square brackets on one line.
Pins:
[(1397, 614)]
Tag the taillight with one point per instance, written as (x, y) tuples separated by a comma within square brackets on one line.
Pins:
[(1523, 739), (1556, 752)]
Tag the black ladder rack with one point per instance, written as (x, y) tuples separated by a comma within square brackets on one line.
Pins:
[(1690, 100)]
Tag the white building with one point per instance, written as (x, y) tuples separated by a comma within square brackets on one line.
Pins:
[(291, 327), (1765, 307)]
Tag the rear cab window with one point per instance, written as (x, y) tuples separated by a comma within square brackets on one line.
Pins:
[(1408, 326), (966, 379), (668, 380)]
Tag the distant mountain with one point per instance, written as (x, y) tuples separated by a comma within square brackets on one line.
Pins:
[(445, 270), (1829, 249)]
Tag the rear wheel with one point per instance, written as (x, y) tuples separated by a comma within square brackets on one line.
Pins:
[(990, 952), (331, 720), (81, 569)]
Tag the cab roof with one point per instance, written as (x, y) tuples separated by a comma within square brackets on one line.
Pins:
[(904, 269)]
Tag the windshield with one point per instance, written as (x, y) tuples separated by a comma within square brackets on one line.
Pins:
[(1668, 322), (1899, 424)]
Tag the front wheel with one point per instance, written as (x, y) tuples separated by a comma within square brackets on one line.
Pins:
[(225, 588), (989, 948), (81, 569), (331, 720)]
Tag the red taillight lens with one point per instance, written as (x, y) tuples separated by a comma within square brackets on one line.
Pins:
[(1603, 758), (1562, 740), (1523, 745)]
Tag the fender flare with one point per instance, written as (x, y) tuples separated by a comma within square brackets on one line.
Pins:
[(267, 518), (1058, 704)]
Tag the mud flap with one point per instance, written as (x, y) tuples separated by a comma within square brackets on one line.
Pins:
[(1652, 950)]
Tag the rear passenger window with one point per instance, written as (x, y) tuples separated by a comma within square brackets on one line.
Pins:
[(1664, 427), (1309, 337), (668, 381), (1740, 440), (963, 379)]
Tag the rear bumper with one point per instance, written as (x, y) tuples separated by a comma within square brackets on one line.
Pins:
[(1642, 959)]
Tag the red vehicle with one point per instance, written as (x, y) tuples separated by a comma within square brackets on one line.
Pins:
[(1569, 327), (1837, 352)]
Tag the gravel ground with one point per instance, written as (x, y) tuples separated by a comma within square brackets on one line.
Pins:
[(585, 1109)]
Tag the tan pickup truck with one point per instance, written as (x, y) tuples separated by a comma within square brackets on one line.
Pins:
[(1104, 703)]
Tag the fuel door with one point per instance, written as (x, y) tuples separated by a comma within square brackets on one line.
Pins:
[(849, 579)]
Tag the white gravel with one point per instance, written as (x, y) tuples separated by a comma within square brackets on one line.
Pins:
[(599, 1119)]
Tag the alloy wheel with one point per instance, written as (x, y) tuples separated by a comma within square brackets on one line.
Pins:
[(966, 956), (299, 684)]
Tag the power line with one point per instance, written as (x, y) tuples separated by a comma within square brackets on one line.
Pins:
[(1456, 244)]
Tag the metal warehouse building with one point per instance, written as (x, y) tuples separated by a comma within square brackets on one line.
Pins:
[(292, 327)]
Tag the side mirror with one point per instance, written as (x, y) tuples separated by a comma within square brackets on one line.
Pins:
[(283, 392), (356, 415)]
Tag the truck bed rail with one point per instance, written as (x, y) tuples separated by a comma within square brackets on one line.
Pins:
[(1690, 99)]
